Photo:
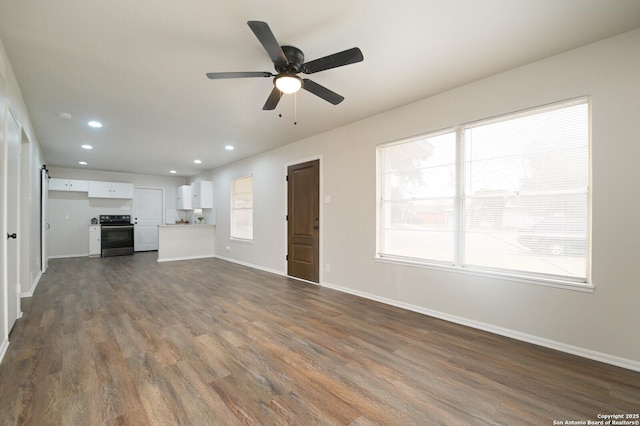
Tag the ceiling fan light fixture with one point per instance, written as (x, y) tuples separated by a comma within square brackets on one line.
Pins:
[(288, 83), (288, 61)]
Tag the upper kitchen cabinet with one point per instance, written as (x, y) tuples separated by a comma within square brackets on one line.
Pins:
[(110, 190), (202, 195), (183, 197), (68, 185)]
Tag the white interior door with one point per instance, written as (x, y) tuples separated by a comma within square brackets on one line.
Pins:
[(4, 330), (147, 215), (13, 220)]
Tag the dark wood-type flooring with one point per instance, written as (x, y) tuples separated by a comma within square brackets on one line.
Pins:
[(128, 341)]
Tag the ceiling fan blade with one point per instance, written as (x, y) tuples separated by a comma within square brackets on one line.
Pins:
[(241, 74), (268, 41), (346, 57), (272, 100), (321, 91)]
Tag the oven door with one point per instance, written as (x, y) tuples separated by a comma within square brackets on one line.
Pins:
[(116, 240)]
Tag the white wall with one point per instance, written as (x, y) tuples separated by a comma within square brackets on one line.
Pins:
[(32, 158), (602, 325), (70, 213), (30, 187)]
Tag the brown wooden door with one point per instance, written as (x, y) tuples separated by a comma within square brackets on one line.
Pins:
[(304, 221)]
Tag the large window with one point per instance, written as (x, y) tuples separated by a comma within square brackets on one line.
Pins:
[(242, 208), (507, 196)]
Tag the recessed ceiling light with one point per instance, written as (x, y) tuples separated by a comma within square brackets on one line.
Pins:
[(229, 148), (84, 163), (95, 124), (173, 172), (197, 161), (87, 146)]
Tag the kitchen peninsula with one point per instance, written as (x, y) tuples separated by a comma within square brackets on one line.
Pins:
[(182, 242)]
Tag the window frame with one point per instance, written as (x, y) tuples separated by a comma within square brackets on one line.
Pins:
[(232, 209), (458, 265)]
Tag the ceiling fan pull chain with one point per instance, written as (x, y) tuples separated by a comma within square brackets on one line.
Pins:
[(295, 109)]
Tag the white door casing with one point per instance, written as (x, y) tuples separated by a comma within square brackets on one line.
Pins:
[(44, 221), (26, 197), (4, 330), (147, 215), (13, 220)]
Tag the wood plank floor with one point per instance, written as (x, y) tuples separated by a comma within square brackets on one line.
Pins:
[(128, 341)]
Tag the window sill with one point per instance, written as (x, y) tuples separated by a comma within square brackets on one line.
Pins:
[(241, 240), (514, 277)]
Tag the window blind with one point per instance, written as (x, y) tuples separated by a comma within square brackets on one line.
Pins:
[(509, 194), (242, 208)]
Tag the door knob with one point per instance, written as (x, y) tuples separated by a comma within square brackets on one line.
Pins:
[(14, 236)]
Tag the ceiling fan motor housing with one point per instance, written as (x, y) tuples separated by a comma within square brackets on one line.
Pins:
[(295, 58)]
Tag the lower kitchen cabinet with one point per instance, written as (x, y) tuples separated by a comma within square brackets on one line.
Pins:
[(94, 240)]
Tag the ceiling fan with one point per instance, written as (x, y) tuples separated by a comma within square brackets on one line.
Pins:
[(288, 62)]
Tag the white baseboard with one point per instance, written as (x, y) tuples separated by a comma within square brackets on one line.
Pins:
[(250, 265), (3, 348), (65, 256), (173, 259), (303, 280), (261, 268), (524, 337), (529, 338), (34, 284)]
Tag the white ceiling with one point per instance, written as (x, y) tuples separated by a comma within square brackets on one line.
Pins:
[(139, 67)]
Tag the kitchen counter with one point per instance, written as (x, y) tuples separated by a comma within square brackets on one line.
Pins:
[(185, 241)]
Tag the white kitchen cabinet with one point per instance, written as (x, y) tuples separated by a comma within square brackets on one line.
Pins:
[(56, 184), (94, 240), (99, 189), (183, 197), (202, 194), (122, 190)]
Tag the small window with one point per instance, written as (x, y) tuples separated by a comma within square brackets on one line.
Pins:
[(507, 196), (242, 208)]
